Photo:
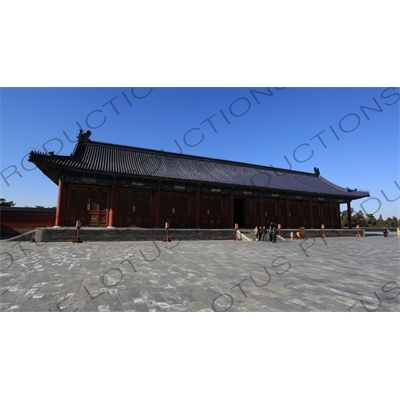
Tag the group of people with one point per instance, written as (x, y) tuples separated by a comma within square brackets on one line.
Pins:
[(266, 234)]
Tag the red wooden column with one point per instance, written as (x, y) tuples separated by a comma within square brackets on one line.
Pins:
[(113, 207), (157, 208), (64, 206), (60, 213), (349, 215), (310, 214)]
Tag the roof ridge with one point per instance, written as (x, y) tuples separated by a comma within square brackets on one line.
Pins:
[(341, 187), (26, 208)]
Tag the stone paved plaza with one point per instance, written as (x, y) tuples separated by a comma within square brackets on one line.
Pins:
[(336, 274)]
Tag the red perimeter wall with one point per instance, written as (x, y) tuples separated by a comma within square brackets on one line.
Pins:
[(20, 220)]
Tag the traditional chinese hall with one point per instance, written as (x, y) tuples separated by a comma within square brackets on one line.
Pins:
[(112, 185)]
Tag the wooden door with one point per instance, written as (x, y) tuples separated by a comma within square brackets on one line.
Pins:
[(133, 208), (294, 214), (326, 215), (271, 210), (97, 203), (316, 215), (305, 220), (89, 205), (174, 210), (211, 207)]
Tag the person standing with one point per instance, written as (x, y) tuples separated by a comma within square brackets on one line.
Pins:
[(274, 235), (264, 233), (256, 232), (260, 232), (271, 227)]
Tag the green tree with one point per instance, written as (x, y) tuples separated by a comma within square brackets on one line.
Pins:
[(370, 220), (359, 219), (392, 222), (380, 222), (344, 219), (5, 203)]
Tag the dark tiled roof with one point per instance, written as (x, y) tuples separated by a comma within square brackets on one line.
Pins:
[(123, 161)]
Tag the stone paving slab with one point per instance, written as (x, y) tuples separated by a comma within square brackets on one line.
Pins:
[(338, 274)]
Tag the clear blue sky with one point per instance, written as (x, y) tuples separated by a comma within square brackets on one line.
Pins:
[(285, 126)]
